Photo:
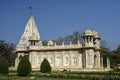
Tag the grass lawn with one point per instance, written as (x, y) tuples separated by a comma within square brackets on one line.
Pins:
[(30, 78), (63, 76)]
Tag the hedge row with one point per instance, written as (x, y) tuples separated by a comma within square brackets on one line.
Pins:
[(78, 76), (95, 73)]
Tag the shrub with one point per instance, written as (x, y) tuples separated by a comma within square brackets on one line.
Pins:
[(4, 65), (45, 66), (24, 67)]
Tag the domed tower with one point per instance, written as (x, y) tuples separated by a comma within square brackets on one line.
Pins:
[(96, 40), (96, 50), (88, 48), (88, 38)]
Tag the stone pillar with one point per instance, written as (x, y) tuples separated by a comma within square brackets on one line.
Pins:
[(108, 63), (16, 62), (92, 59), (84, 60), (55, 43), (63, 44), (85, 41), (92, 40), (31, 59), (80, 60), (88, 39), (87, 61), (70, 43), (54, 59), (62, 53), (101, 62), (98, 60), (70, 57), (78, 42)]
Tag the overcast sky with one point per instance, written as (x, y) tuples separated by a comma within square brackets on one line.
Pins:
[(56, 18)]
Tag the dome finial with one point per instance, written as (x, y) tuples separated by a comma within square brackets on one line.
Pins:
[(88, 32), (31, 12)]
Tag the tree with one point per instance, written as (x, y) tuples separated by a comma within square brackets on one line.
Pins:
[(45, 66), (103, 44), (118, 49), (44, 42), (115, 59), (24, 67), (74, 38), (105, 53), (59, 40), (4, 65), (114, 56), (7, 51)]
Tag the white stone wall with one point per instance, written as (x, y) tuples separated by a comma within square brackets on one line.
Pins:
[(57, 59), (97, 62), (89, 58)]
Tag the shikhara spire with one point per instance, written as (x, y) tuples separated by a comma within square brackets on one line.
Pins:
[(30, 29)]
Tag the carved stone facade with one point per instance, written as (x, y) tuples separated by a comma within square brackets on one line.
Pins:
[(75, 57)]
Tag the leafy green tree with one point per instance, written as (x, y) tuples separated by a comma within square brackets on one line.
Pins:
[(115, 59), (24, 67), (118, 49), (44, 42), (4, 65), (74, 38), (45, 66), (59, 40), (7, 50)]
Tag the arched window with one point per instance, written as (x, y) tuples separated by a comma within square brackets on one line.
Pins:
[(58, 61), (66, 60), (75, 61)]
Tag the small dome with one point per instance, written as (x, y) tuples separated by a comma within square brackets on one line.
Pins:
[(33, 37), (88, 32), (50, 43), (95, 33)]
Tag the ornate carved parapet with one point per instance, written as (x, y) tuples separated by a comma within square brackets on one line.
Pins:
[(57, 47)]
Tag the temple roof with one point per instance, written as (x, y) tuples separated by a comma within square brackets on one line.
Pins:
[(30, 29)]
